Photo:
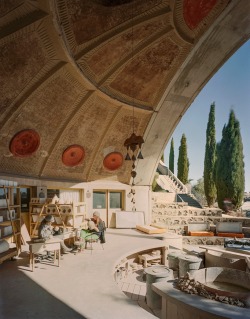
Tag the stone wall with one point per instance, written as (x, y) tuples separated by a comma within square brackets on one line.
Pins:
[(175, 217)]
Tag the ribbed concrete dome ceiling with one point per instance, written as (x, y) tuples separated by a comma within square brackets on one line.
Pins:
[(71, 71)]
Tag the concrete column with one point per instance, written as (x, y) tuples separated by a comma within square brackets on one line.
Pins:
[(156, 274), (173, 259)]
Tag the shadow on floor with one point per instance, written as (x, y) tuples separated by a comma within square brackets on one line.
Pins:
[(16, 286)]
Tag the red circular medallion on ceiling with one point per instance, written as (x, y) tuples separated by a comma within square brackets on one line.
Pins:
[(113, 161), (25, 143), (194, 11), (73, 155)]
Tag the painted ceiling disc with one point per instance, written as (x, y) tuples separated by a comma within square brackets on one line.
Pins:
[(113, 161), (73, 155), (25, 143), (194, 12)]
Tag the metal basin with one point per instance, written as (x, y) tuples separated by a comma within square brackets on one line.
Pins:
[(225, 282)]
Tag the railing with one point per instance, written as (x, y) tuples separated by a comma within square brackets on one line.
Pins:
[(166, 171), (167, 183)]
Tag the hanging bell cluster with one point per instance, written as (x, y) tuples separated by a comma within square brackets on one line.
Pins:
[(132, 144), (132, 193)]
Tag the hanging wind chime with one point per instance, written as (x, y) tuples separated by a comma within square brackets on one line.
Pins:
[(134, 142)]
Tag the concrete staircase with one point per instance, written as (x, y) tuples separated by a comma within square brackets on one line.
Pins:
[(169, 182), (189, 199)]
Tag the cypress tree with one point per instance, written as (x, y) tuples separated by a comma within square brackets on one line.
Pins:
[(183, 162), (210, 159), (230, 175), (171, 156)]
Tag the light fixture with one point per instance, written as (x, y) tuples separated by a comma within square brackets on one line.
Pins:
[(88, 194), (134, 143)]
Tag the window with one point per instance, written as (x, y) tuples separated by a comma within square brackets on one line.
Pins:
[(115, 199), (25, 198), (68, 195), (52, 192), (2, 195), (99, 199)]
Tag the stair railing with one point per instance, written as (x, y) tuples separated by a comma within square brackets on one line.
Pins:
[(181, 186), (165, 182), (166, 171)]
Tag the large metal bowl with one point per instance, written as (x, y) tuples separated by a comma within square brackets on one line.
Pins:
[(225, 282)]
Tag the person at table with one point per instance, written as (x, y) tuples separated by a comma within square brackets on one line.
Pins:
[(46, 231), (97, 226)]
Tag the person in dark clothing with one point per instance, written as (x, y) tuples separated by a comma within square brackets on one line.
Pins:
[(97, 225), (46, 232)]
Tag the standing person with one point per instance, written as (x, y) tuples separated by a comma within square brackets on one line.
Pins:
[(97, 225), (46, 231)]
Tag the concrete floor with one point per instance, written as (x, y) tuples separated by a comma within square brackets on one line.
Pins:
[(82, 287)]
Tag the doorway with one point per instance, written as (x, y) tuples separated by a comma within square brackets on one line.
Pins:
[(107, 202)]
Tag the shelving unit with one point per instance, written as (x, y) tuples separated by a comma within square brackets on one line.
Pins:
[(35, 209), (67, 216), (10, 221)]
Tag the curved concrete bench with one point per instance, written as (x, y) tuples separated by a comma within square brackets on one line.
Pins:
[(177, 304)]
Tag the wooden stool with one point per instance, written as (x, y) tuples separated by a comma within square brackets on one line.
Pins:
[(146, 258)]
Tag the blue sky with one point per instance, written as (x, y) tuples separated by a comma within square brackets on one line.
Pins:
[(229, 89)]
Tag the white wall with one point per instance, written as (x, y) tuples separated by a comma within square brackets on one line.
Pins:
[(166, 197), (142, 195)]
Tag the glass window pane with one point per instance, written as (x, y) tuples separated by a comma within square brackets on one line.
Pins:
[(99, 199), (52, 192), (115, 199), (25, 199), (66, 195), (2, 195)]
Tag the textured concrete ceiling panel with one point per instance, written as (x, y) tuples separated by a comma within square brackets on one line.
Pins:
[(150, 69), (90, 19), (192, 18), (113, 141), (90, 123), (71, 70), (103, 59), (47, 111), (9, 5), (22, 57)]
